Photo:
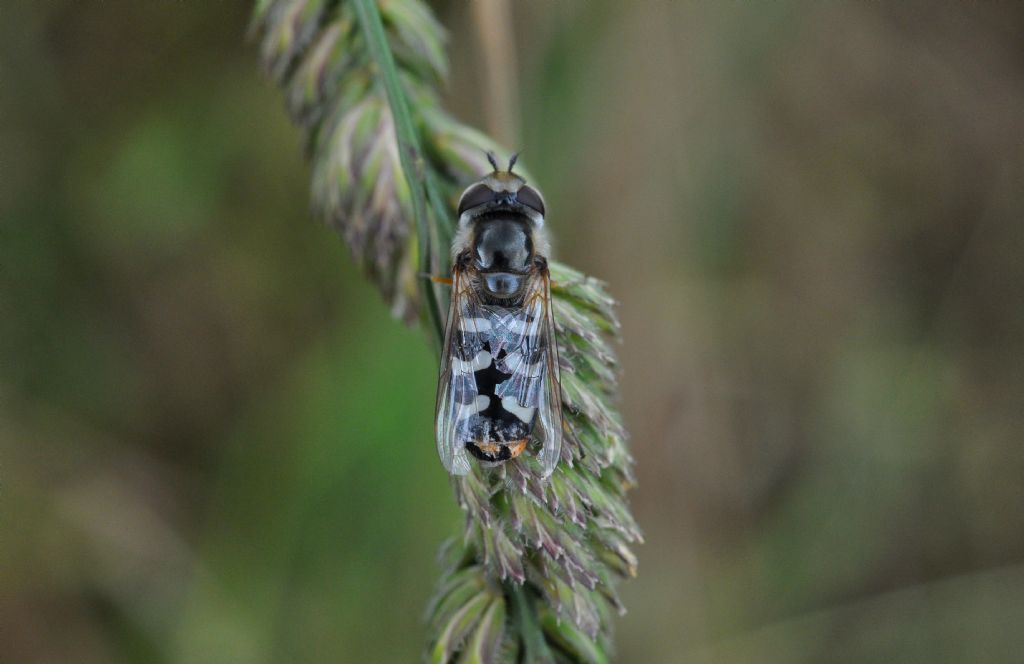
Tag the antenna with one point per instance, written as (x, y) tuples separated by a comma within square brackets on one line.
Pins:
[(494, 160), (512, 161)]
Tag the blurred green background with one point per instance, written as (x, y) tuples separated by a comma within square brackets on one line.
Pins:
[(215, 446)]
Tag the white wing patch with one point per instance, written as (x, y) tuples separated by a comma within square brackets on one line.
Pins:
[(513, 364), (475, 325), (481, 403), (523, 413), (478, 363)]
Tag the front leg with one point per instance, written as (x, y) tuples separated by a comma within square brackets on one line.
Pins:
[(461, 263)]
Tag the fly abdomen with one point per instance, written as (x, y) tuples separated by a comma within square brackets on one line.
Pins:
[(500, 418), (497, 377)]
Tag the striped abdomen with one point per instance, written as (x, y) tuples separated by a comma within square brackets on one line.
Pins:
[(499, 369)]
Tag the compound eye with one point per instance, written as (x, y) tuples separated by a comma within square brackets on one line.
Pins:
[(476, 195), (529, 197)]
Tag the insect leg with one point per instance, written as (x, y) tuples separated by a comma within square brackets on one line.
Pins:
[(436, 279)]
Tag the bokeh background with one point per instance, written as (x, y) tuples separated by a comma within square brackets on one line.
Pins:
[(215, 446)]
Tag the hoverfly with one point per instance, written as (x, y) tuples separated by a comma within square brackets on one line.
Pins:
[(498, 389)]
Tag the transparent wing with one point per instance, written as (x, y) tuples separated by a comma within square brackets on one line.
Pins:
[(528, 337), (456, 386), (549, 414)]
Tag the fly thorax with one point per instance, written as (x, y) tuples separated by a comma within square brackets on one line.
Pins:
[(503, 251)]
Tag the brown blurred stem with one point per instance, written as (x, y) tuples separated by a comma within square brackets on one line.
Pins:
[(495, 31)]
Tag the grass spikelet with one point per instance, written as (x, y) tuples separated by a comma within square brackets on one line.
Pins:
[(532, 576)]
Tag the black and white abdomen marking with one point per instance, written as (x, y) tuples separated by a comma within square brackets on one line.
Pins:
[(497, 382)]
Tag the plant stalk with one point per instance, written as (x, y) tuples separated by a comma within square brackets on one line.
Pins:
[(410, 156)]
